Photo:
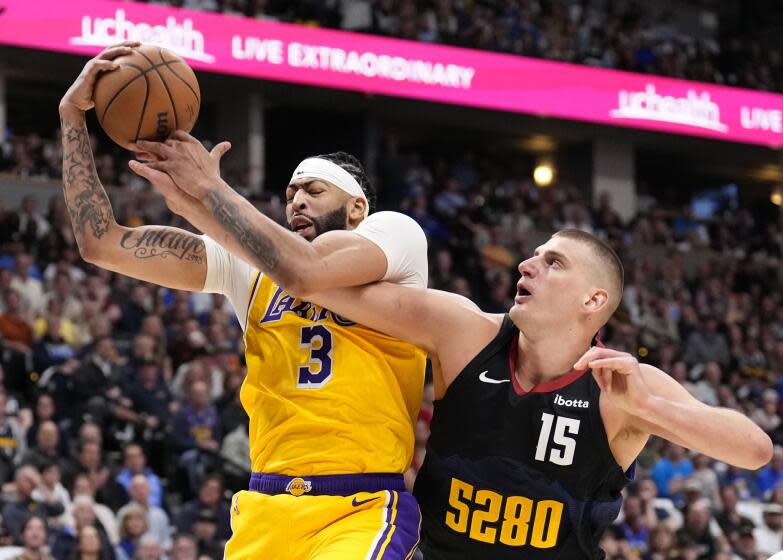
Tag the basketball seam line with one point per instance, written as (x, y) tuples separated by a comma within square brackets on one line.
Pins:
[(143, 107), (165, 86), (143, 73), (183, 80), (123, 88)]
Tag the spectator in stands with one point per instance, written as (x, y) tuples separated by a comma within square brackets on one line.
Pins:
[(157, 520), (196, 432), (97, 388), (707, 478), (28, 286), (674, 467), (746, 546), (210, 498), (133, 525), (47, 447), (185, 547), (136, 463), (229, 406), (44, 412), (767, 416), (16, 512), (707, 389), (744, 481), (150, 396), (52, 485), (84, 488), (68, 540), (707, 345), (12, 443), (52, 349), (63, 292), (90, 547), (89, 461), (15, 325), (236, 460), (205, 531), (33, 226), (34, 536), (662, 544), (769, 535), (149, 549), (635, 527), (772, 475), (134, 309), (696, 531), (731, 522)]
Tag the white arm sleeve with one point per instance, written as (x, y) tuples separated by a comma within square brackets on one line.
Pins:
[(403, 242), (230, 276)]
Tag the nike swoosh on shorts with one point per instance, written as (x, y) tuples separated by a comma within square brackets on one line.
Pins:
[(357, 503)]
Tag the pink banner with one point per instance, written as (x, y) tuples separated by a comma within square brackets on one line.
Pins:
[(352, 61)]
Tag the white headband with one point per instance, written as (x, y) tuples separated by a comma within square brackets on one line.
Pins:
[(319, 168)]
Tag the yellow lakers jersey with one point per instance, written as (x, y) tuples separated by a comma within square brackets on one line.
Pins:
[(325, 395)]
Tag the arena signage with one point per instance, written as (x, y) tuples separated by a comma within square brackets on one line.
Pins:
[(351, 61)]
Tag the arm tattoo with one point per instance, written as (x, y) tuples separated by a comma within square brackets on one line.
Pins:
[(151, 242), (87, 202), (255, 242)]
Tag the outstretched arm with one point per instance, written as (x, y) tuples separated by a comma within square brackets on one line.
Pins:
[(656, 404), (163, 255), (189, 179), (451, 328)]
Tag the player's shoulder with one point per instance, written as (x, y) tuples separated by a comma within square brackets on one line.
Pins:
[(391, 220)]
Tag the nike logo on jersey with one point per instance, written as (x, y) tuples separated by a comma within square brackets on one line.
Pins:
[(357, 503), (483, 377), (573, 403)]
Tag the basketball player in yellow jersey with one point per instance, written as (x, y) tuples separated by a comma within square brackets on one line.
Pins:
[(332, 404)]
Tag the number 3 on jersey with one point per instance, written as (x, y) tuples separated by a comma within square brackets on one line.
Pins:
[(318, 370)]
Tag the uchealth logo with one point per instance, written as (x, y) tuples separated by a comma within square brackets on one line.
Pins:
[(695, 109), (181, 38)]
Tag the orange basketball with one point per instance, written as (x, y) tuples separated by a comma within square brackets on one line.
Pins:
[(153, 93)]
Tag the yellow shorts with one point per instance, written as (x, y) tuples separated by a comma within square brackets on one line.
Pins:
[(366, 525)]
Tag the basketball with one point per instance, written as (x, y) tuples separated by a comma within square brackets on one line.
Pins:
[(153, 93)]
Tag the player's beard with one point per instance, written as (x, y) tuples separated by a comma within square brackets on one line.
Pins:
[(335, 220)]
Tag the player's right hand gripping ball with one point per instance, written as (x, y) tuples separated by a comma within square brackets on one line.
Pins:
[(153, 93)]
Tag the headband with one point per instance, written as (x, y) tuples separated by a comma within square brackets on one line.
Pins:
[(319, 168)]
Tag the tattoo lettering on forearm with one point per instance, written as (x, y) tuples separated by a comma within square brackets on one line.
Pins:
[(164, 243), (87, 203), (255, 242)]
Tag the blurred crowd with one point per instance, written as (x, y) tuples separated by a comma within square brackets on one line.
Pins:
[(121, 431), (627, 35)]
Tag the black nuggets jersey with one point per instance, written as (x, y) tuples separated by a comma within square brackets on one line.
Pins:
[(510, 474)]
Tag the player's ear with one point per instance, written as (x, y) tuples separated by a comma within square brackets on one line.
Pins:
[(596, 301), (356, 209)]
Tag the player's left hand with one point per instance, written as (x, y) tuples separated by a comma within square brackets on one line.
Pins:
[(619, 377), (193, 169)]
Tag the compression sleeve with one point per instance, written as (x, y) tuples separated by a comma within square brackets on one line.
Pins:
[(403, 242), (230, 276)]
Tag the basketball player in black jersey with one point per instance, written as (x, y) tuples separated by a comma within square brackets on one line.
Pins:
[(537, 427)]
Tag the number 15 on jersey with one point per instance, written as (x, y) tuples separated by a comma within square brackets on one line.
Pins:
[(563, 454)]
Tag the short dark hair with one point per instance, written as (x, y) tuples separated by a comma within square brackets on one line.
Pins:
[(353, 166), (605, 253)]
